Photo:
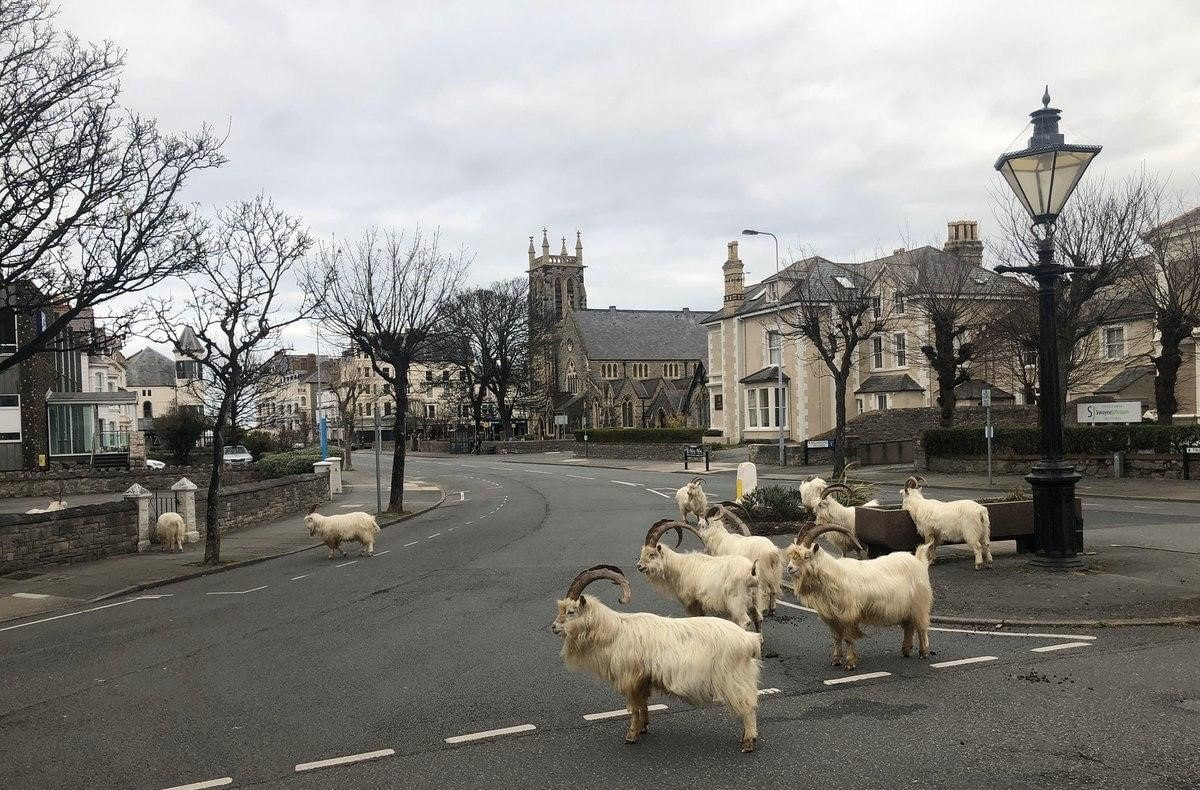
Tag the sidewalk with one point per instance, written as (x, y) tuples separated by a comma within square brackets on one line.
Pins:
[(51, 587)]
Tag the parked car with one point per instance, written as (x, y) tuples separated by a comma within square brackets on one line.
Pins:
[(235, 455), (155, 464)]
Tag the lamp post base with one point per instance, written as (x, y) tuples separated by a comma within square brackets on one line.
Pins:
[(1056, 529)]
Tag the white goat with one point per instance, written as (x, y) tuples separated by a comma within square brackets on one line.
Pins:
[(716, 586), (691, 499), (333, 531), (962, 520), (170, 529), (829, 512), (756, 548), (696, 659), (810, 492), (889, 590), (55, 504)]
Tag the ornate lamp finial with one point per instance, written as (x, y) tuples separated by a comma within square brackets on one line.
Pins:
[(1046, 97)]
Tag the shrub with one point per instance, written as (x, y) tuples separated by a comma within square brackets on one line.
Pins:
[(296, 462), (179, 430), (641, 435), (259, 443), (1077, 439), (776, 503)]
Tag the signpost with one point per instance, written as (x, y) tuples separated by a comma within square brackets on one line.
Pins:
[(378, 478), (985, 399), (695, 452), (1117, 411), (816, 444)]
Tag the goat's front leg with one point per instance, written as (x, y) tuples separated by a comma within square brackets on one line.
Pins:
[(923, 639), (837, 649), (851, 656), (906, 645), (636, 703)]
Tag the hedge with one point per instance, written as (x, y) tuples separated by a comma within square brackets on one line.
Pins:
[(295, 462), (641, 435), (1077, 439)]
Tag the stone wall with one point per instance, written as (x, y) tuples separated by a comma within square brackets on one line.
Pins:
[(85, 480), (75, 534), (644, 452), (253, 503), (1170, 467)]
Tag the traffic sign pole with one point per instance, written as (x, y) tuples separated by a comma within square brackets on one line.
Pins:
[(986, 400)]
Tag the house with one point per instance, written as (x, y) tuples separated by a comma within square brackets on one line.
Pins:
[(160, 383)]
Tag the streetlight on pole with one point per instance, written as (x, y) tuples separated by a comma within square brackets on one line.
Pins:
[(780, 396), (1043, 176)]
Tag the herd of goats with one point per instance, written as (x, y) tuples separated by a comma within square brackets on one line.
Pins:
[(714, 654)]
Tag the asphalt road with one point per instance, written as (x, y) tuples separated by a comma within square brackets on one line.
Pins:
[(250, 674)]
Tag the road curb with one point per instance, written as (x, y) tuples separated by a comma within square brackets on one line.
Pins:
[(251, 561), (1001, 622)]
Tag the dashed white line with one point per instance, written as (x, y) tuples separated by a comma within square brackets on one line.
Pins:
[(622, 482), (351, 758), (795, 606), (765, 692), (301, 576), (1008, 633), (538, 472), (344, 564), (959, 662), (580, 477), (616, 714), (476, 736), (434, 535), (1064, 646), (381, 553), (853, 678), (238, 592), (222, 782), (34, 596), (415, 542), (661, 494)]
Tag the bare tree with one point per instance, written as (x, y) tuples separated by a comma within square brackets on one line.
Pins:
[(508, 365), (235, 303), (389, 295), (346, 388), (469, 347), (835, 308), (89, 193)]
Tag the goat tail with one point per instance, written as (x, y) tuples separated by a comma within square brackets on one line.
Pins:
[(922, 553), (985, 521)]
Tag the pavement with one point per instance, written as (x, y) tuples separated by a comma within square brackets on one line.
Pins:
[(432, 665), (53, 587)]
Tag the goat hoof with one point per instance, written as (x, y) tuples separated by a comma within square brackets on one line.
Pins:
[(748, 745), (631, 739)]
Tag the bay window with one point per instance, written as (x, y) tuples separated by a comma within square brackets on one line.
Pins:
[(765, 408)]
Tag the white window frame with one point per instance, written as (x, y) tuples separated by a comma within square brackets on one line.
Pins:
[(774, 348), (641, 370), (431, 411), (900, 350), (762, 407), (10, 416), (876, 308), (1107, 345), (858, 402), (881, 402), (898, 302), (877, 353)]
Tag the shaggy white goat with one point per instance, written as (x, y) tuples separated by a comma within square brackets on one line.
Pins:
[(756, 548), (696, 659), (343, 528), (691, 499), (889, 590), (717, 586), (170, 529), (810, 492), (936, 521), (55, 504), (830, 512)]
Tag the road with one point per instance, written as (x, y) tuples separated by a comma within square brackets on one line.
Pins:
[(252, 675)]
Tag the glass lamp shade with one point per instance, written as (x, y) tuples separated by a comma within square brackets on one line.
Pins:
[(1043, 178)]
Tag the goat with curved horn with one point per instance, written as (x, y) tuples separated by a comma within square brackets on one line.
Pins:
[(596, 573), (691, 500), (655, 533), (811, 535), (719, 541)]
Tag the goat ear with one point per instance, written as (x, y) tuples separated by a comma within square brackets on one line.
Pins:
[(582, 600)]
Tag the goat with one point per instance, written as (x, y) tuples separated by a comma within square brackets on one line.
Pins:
[(756, 548), (716, 586), (343, 528), (170, 529), (846, 594), (54, 505), (691, 499), (810, 492), (829, 511), (696, 659), (960, 520)]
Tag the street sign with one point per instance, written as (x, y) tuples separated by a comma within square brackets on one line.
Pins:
[(989, 432), (1119, 411), (694, 451), (985, 396), (560, 419), (819, 444)]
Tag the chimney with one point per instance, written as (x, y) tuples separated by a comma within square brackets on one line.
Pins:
[(962, 241), (735, 284)]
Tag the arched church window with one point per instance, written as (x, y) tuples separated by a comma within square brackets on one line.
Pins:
[(571, 293)]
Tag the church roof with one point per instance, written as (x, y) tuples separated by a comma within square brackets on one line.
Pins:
[(149, 368), (188, 340), (641, 334)]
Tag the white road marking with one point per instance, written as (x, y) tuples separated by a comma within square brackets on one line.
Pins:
[(763, 692), (350, 758), (434, 535), (462, 496), (381, 553), (449, 529), (406, 545), (35, 596), (476, 736), (70, 614), (301, 576), (238, 592), (616, 714), (538, 472), (795, 606), (852, 678), (1008, 633), (961, 661), (469, 523), (580, 477), (622, 482), (1064, 646), (222, 782), (344, 564), (661, 494)]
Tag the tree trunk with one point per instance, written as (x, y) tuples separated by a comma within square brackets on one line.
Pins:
[(212, 532), (1166, 367), (839, 426), (396, 497), (946, 397)]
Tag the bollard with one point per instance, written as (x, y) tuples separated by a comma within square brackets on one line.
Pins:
[(185, 505), (335, 474), (326, 468), (747, 479), (136, 491)]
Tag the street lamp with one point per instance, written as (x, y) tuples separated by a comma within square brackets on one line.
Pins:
[(780, 397), (1043, 176)]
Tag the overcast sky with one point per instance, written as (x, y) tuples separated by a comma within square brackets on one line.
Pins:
[(658, 129)]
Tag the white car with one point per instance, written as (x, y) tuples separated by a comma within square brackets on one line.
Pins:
[(155, 464), (236, 455)]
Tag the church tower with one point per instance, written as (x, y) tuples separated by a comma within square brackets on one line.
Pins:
[(556, 281)]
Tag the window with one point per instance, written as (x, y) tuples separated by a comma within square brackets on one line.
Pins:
[(147, 410), (1029, 357), (571, 294), (671, 370), (881, 401), (302, 400), (387, 408), (858, 402), (718, 402), (429, 375), (99, 381), (464, 410), (10, 418), (764, 406), (898, 303), (558, 302), (641, 370), (431, 411), (609, 370), (71, 428), (844, 282), (8, 330), (1114, 342), (774, 348), (876, 308), (572, 379), (627, 413), (445, 375), (898, 347), (876, 353)]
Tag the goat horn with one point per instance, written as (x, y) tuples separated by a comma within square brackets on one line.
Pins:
[(811, 535), (804, 528), (829, 489), (921, 481), (713, 511), (597, 572), (728, 515), (696, 481), (656, 532), (911, 483), (731, 505), (313, 509)]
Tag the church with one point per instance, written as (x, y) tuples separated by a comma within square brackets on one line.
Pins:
[(609, 368)]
